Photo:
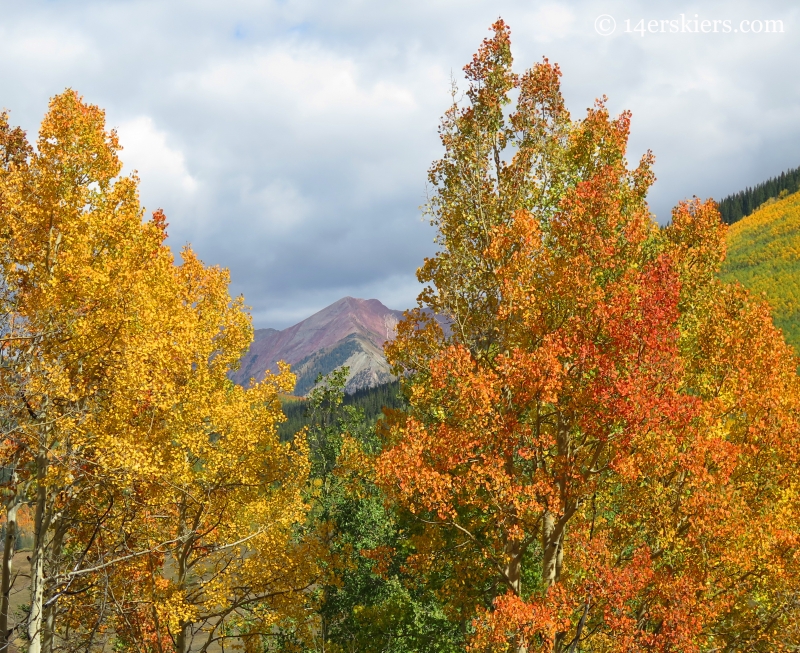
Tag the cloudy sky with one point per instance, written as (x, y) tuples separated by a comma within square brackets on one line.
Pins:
[(288, 140)]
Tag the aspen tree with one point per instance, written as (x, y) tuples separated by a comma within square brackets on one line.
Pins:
[(602, 450), (121, 427)]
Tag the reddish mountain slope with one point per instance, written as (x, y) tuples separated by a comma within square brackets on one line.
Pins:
[(349, 332)]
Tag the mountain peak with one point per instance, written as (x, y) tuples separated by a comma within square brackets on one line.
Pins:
[(317, 343)]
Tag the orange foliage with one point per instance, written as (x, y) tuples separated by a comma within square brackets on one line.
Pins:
[(603, 450)]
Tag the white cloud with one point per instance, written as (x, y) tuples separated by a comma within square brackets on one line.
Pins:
[(280, 204), (161, 167), (30, 44), (551, 21), (308, 81), (289, 141)]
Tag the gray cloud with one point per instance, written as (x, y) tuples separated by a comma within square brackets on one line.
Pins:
[(289, 140)]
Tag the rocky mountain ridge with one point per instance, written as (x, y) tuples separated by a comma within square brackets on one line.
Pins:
[(349, 332)]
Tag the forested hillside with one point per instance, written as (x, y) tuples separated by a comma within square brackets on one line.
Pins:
[(739, 205), (764, 255), (369, 400)]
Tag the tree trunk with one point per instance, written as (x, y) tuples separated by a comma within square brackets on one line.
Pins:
[(9, 546), (552, 549), (56, 546), (154, 611), (182, 641), (48, 628), (513, 568), (553, 556), (513, 574), (35, 617)]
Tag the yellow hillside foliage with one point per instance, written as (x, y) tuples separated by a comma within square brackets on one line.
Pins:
[(764, 256)]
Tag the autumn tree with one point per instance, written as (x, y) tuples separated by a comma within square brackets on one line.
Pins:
[(215, 554), (164, 501), (367, 601), (601, 442)]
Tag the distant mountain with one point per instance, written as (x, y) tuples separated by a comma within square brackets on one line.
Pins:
[(349, 332), (764, 256)]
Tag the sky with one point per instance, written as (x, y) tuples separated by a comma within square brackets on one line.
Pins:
[(289, 140)]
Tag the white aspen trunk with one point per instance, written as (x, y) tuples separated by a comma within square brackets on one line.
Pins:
[(559, 556), (552, 549), (513, 568), (35, 620), (48, 632), (552, 559), (36, 616), (549, 550), (552, 527), (9, 546)]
